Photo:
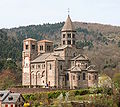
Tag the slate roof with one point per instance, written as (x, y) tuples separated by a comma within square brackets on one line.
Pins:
[(12, 98), (46, 56), (68, 26), (80, 58), (3, 94)]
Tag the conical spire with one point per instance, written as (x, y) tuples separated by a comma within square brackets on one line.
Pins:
[(68, 26)]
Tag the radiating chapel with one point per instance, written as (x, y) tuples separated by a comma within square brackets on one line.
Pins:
[(61, 67)]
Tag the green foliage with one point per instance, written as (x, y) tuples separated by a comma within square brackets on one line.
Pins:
[(85, 31), (2, 62), (82, 44), (9, 72), (54, 94), (82, 92), (119, 44), (8, 82), (10, 64), (116, 79), (36, 103), (96, 90), (32, 97), (112, 65), (9, 47), (98, 96), (27, 97)]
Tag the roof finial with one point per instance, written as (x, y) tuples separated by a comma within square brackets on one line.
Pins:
[(68, 11)]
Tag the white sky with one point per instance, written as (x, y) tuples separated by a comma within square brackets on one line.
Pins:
[(15, 13)]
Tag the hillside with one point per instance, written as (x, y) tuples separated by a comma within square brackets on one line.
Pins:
[(101, 43)]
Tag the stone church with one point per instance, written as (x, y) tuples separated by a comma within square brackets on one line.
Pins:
[(61, 67)]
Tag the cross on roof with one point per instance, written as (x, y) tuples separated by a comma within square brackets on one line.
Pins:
[(68, 11)]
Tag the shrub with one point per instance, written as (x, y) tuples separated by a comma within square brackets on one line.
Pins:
[(26, 97), (82, 92), (96, 90), (36, 103), (54, 94), (32, 97)]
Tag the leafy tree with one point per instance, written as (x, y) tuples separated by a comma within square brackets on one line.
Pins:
[(119, 44), (116, 79), (82, 44), (10, 64)]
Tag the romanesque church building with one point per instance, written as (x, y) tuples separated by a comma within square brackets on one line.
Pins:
[(61, 67)]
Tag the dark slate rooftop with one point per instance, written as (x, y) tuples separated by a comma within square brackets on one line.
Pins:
[(3, 94), (12, 98)]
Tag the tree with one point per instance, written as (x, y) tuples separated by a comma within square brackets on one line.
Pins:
[(119, 44), (116, 79)]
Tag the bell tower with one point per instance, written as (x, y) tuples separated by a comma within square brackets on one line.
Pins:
[(28, 54), (68, 33)]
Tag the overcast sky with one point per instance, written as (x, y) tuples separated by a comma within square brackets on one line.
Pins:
[(15, 13)]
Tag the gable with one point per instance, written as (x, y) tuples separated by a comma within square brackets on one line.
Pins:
[(92, 68), (80, 57)]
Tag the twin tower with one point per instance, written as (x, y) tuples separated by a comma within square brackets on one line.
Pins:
[(33, 48)]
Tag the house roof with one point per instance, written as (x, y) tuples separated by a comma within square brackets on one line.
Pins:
[(68, 26), (30, 39), (41, 58), (3, 94), (46, 56), (54, 56), (46, 41), (76, 68), (91, 68), (62, 47), (80, 58), (12, 98)]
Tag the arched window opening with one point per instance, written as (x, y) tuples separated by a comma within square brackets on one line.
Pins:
[(78, 77), (84, 76), (95, 77), (73, 77), (63, 35), (67, 76), (61, 67), (50, 66)]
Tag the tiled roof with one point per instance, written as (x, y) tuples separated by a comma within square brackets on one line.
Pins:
[(54, 56), (46, 41), (91, 68), (62, 47), (30, 39), (80, 58), (3, 94), (41, 58), (46, 56), (68, 26), (76, 68), (12, 98)]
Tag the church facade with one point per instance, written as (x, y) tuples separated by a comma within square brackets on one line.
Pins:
[(61, 67)]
